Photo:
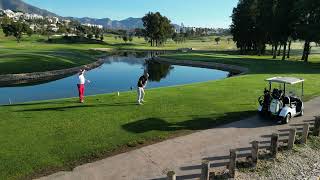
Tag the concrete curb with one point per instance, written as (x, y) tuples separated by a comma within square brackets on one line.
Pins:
[(26, 78)]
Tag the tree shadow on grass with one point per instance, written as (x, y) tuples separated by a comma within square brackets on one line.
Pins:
[(121, 44), (71, 40), (294, 52), (38, 103), (196, 123)]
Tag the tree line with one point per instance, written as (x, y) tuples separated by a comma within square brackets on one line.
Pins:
[(258, 23)]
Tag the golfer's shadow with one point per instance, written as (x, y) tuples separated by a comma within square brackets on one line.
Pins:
[(64, 108), (121, 104)]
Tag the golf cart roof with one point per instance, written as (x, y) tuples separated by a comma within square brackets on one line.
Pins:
[(286, 80)]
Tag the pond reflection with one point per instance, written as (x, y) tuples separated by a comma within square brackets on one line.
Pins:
[(157, 71)]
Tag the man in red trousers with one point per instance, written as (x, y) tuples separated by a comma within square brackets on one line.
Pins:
[(82, 81)]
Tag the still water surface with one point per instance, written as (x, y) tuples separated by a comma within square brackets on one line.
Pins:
[(118, 73)]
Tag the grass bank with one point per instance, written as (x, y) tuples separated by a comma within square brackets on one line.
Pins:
[(53, 135), (34, 54)]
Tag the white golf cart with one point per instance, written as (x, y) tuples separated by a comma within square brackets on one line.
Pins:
[(283, 103)]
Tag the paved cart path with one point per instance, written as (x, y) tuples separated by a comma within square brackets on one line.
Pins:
[(184, 154)]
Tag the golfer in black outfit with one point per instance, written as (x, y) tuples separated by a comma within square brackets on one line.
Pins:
[(141, 86)]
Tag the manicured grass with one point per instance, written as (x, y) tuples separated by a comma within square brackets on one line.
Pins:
[(202, 43), (42, 136), (51, 135), (33, 54)]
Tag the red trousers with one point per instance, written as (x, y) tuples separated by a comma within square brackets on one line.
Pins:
[(81, 91)]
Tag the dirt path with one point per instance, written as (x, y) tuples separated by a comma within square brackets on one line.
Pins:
[(184, 154)]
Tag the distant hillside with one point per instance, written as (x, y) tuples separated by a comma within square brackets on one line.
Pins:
[(129, 23), (19, 5)]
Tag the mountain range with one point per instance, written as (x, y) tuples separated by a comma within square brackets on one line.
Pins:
[(129, 23), (19, 5)]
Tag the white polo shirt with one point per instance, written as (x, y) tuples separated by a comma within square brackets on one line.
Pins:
[(82, 79)]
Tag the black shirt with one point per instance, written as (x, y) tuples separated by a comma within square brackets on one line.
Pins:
[(142, 81)]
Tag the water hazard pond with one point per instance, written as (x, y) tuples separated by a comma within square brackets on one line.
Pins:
[(118, 73)]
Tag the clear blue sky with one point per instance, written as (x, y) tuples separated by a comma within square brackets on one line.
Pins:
[(200, 13)]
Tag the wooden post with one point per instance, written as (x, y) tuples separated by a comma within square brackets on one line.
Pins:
[(233, 163), (171, 175), (292, 138), (274, 145), (305, 133), (205, 170), (212, 175), (316, 129), (255, 153)]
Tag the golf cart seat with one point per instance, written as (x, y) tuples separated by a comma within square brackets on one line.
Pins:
[(286, 101), (296, 102), (294, 99)]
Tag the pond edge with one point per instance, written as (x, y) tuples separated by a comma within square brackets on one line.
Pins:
[(237, 70)]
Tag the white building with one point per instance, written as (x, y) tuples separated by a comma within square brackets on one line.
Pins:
[(20, 15), (53, 27), (9, 13), (55, 20), (32, 16), (93, 25), (52, 20), (12, 15)]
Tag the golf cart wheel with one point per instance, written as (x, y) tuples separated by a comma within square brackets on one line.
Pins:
[(287, 119), (302, 113), (261, 114)]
